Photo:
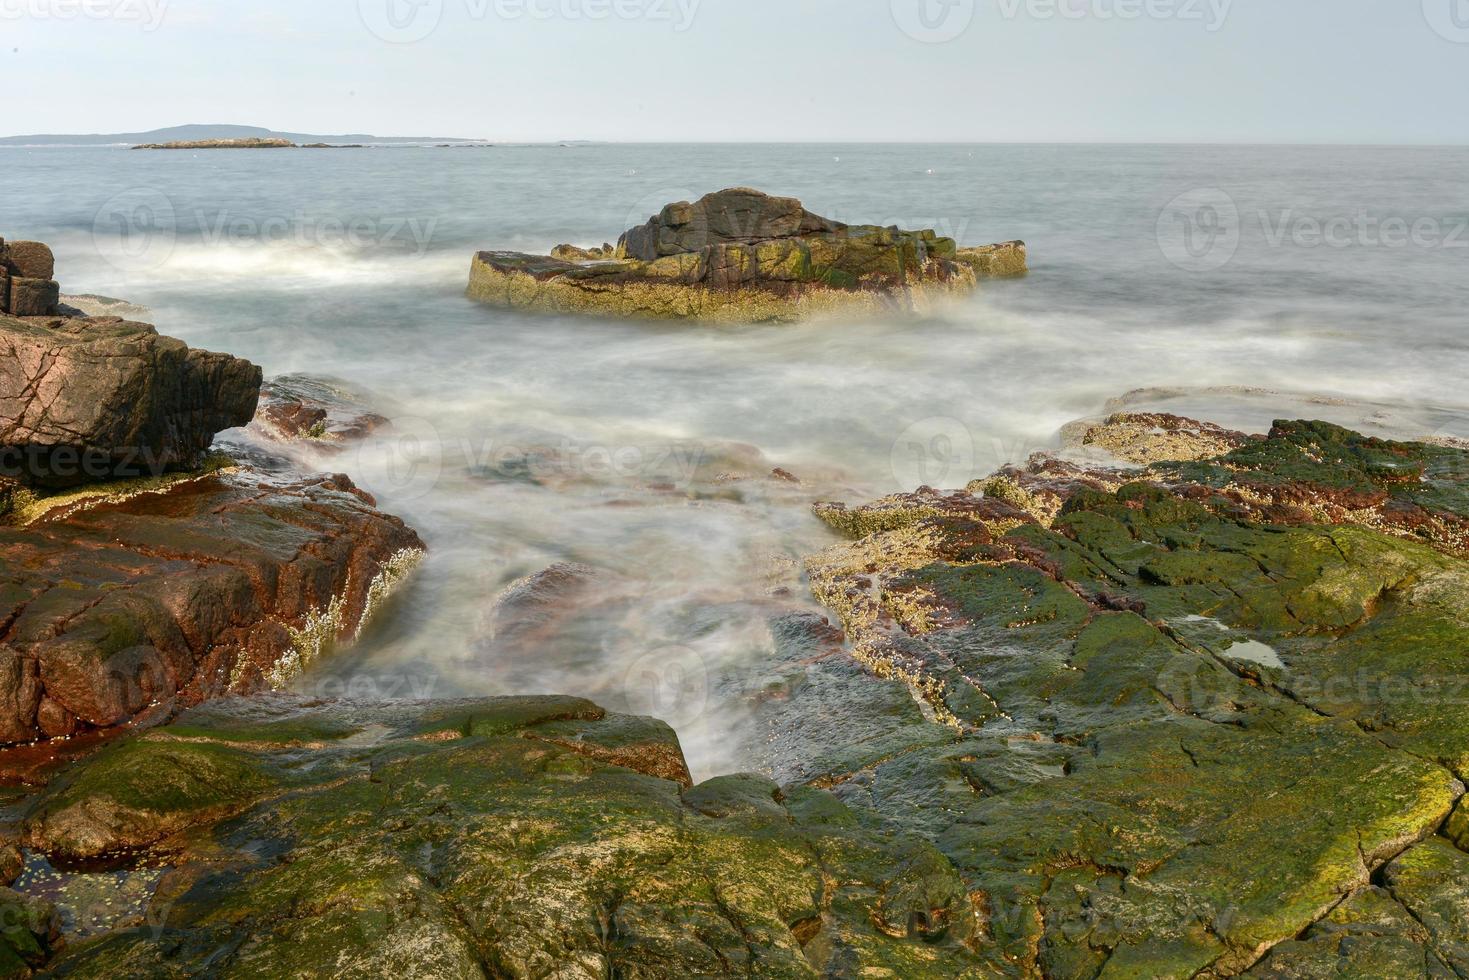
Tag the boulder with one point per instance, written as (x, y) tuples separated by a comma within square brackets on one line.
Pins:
[(741, 256), (325, 411), (143, 597), (89, 399), (33, 297), (736, 215), (30, 260)]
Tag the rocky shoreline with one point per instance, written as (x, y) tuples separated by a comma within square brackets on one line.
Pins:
[(1189, 703), (145, 572), (742, 256)]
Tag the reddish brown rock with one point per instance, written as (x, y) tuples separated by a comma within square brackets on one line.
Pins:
[(325, 410), (154, 602), (33, 297), (90, 399), (31, 260)]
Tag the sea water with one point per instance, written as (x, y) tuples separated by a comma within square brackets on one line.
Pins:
[(1239, 283)]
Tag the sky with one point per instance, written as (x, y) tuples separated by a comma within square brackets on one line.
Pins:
[(1310, 71)]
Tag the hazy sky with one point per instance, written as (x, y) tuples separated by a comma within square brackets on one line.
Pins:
[(941, 70)]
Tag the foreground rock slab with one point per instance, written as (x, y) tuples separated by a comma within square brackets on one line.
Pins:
[(139, 598), (1204, 715), (516, 837), (743, 256)]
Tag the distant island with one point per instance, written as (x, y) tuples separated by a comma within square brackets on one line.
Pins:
[(222, 135), (245, 144)]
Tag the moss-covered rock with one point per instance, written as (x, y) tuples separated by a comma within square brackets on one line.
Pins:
[(742, 256), (512, 837), (1181, 733)]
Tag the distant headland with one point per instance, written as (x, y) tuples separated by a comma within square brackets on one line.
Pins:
[(218, 134)]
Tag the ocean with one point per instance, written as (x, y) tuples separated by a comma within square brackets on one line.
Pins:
[(1237, 283)]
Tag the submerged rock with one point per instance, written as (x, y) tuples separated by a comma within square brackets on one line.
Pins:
[(742, 256), (509, 837), (322, 410), (1172, 717), (90, 399)]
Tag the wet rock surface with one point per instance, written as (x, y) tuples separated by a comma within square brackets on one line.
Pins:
[(323, 410), (741, 255), (136, 600), (1200, 718), (504, 837)]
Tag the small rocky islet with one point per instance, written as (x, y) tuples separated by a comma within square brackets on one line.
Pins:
[(1194, 710), (743, 256)]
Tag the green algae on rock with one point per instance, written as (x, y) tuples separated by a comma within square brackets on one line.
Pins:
[(486, 838), (743, 256), (1129, 787)]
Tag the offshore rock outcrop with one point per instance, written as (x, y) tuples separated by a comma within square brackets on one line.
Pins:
[(740, 255), (1199, 719)]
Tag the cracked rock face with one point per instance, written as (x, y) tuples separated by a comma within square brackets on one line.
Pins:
[(90, 399), (130, 603), (1196, 719)]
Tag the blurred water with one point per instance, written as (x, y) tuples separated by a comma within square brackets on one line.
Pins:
[(353, 262)]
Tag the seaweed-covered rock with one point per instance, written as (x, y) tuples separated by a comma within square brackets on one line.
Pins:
[(30, 931), (1168, 725), (512, 837), (1151, 437), (93, 399), (740, 255), (141, 597)]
